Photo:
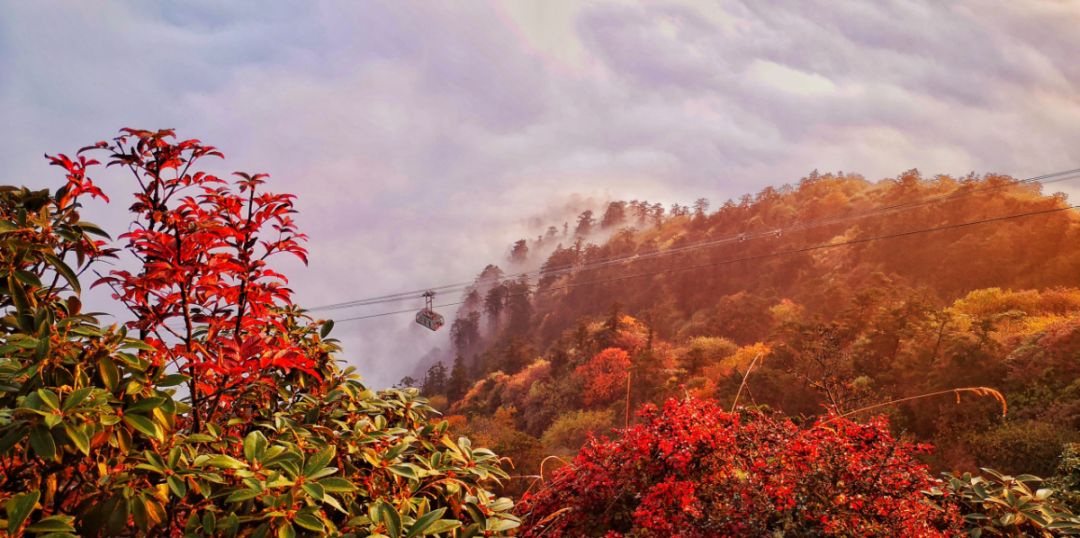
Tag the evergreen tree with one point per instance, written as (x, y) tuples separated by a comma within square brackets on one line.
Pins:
[(435, 380), (458, 384)]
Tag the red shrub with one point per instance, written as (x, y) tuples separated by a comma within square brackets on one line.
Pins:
[(693, 469)]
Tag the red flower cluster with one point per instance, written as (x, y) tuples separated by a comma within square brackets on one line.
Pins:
[(694, 470)]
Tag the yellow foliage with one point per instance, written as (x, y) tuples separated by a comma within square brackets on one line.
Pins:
[(743, 356), (786, 311)]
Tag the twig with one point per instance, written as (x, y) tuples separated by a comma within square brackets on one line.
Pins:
[(979, 391), (735, 403)]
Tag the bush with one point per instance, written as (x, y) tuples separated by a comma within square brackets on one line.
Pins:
[(270, 435), (692, 469), (570, 431), (1003, 505), (1021, 446)]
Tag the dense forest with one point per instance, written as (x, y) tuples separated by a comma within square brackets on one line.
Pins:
[(839, 292)]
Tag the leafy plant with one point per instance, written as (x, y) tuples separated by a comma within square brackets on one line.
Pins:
[(1003, 505), (693, 469), (270, 436)]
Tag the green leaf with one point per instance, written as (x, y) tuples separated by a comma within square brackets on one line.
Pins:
[(389, 516), (329, 499), (442, 526), (49, 398), (500, 525), (423, 522), (314, 490), (176, 484), (145, 404), (91, 228), (79, 437), (406, 470), (309, 521), (75, 398), (109, 374), (326, 328), (53, 524), (63, 269), (172, 380), (286, 530), (254, 445), (242, 495), (144, 425), (19, 507), (503, 504), (476, 514), (41, 440), (337, 485), (222, 461), (317, 461)]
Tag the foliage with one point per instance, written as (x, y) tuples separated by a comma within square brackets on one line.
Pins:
[(605, 376), (203, 247), (273, 438), (1066, 481), (691, 469), (571, 430), (1003, 505)]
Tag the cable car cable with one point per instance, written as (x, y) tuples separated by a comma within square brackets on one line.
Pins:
[(758, 256), (450, 288)]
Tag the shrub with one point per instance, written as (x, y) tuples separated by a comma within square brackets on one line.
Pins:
[(270, 437), (570, 431), (691, 469), (1003, 505)]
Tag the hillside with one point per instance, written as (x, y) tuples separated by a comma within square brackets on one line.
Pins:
[(843, 292)]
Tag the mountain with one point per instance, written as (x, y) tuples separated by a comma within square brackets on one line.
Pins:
[(838, 292)]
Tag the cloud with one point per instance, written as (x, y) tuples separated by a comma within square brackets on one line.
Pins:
[(423, 140)]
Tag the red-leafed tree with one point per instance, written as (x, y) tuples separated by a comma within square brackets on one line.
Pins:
[(204, 295), (604, 375), (694, 470)]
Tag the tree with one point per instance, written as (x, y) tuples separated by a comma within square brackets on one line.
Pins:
[(585, 223), (494, 302), (519, 304), (605, 376), (435, 380), (459, 380), (614, 215), (204, 246), (519, 253), (465, 332), (701, 207)]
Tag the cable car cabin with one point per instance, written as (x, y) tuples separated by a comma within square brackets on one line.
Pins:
[(430, 319)]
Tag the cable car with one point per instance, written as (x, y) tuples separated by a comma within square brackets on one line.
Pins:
[(428, 317)]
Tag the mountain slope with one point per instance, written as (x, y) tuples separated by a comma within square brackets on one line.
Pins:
[(843, 292)]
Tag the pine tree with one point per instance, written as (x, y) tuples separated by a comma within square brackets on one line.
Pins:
[(458, 383), (435, 380)]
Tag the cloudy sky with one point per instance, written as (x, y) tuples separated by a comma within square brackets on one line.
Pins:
[(423, 138)]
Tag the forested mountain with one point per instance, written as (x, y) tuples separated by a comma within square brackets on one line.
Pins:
[(842, 292)]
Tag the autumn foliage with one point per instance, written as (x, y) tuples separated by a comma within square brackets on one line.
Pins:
[(204, 245), (605, 375), (694, 470), (270, 438)]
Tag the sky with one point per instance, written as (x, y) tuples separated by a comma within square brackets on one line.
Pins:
[(422, 138)]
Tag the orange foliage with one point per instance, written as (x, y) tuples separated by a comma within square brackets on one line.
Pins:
[(604, 375)]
